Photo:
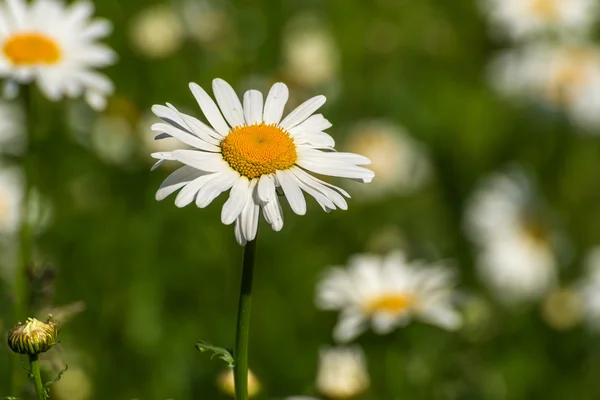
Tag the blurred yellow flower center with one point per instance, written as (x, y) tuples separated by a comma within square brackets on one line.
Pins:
[(258, 150), (547, 9), (394, 304), (569, 77), (31, 49)]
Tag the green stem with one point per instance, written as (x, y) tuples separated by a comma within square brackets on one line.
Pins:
[(36, 375), (243, 323), (21, 288)]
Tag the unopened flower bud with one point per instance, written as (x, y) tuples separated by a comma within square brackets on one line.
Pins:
[(33, 337)]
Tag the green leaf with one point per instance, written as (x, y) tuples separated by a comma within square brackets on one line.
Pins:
[(221, 352)]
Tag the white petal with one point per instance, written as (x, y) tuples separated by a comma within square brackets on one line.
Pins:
[(336, 157), (302, 112), (239, 235), (176, 180), (253, 107), (319, 140), (97, 29), (383, 323), (248, 219), (209, 162), (351, 323), (210, 109), (266, 188), (240, 192), (215, 186), (273, 214), (444, 317), (335, 169), (276, 99), (292, 191), (327, 189), (188, 193), (163, 155), (314, 124), (18, 11), (185, 137), (229, 102), (323, 200)]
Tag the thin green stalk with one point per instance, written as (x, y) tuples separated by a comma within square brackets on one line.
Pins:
[(37, 377), (21, 288), (243, 323)]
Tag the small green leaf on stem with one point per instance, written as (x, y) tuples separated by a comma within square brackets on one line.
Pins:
[(220, 352)]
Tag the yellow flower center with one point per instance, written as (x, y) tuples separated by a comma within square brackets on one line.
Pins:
[(547, 9), (569, 77), (394, 304), (258, 150), (31, 49)]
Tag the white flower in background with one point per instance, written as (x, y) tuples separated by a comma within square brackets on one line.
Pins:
[(226, 383), (156, 32), (253, 151), (206, 21), (399, 162), (516, 257), (12, 186), (342, 373), (12, 135), (564, 77), (589, 290), (55, 46), (523, 19), (112, 138), (311, 56), (387, 292), (74, 386)]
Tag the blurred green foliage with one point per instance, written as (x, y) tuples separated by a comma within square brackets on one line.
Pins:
[(155, 279)]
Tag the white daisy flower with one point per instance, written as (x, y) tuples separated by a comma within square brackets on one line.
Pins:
[(523, 19), (342, 373), (387, 292), (400, 162), (12, 187), (55, 45), (589, 290), (516, 257), (565, 77), (253, 151)]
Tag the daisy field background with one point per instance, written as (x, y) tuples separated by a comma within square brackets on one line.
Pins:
[(468, 269)]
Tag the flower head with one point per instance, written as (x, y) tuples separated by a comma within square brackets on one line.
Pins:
[(342, 373), (523, 19), (251, 150), (33, 337), (563, 77), (516, 257), (55, 45), (388, 292)]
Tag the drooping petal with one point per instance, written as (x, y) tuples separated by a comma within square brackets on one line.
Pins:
[(292, 191), (240, 192)]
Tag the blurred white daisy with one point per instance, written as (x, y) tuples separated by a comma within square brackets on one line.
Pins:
[(253, 152), (563, 77), (589, 290), (206, 21), (387, 292), (516, 257), (400, 163), (12, 135), (523, 19), (226, 383), (12, 186), (156, 32), (56, 46), (112, 138), (342, 373), (311, 56)]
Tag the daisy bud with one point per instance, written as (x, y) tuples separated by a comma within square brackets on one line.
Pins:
[(226, 383), (33, 337)]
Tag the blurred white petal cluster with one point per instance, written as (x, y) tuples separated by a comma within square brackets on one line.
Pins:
[(387, 293), (12, 136), (342, 373), (516, 257), (311, 55), (563, 77), (12, 186), (156, 32), (400, 163), (589, 290), (527, 19)]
